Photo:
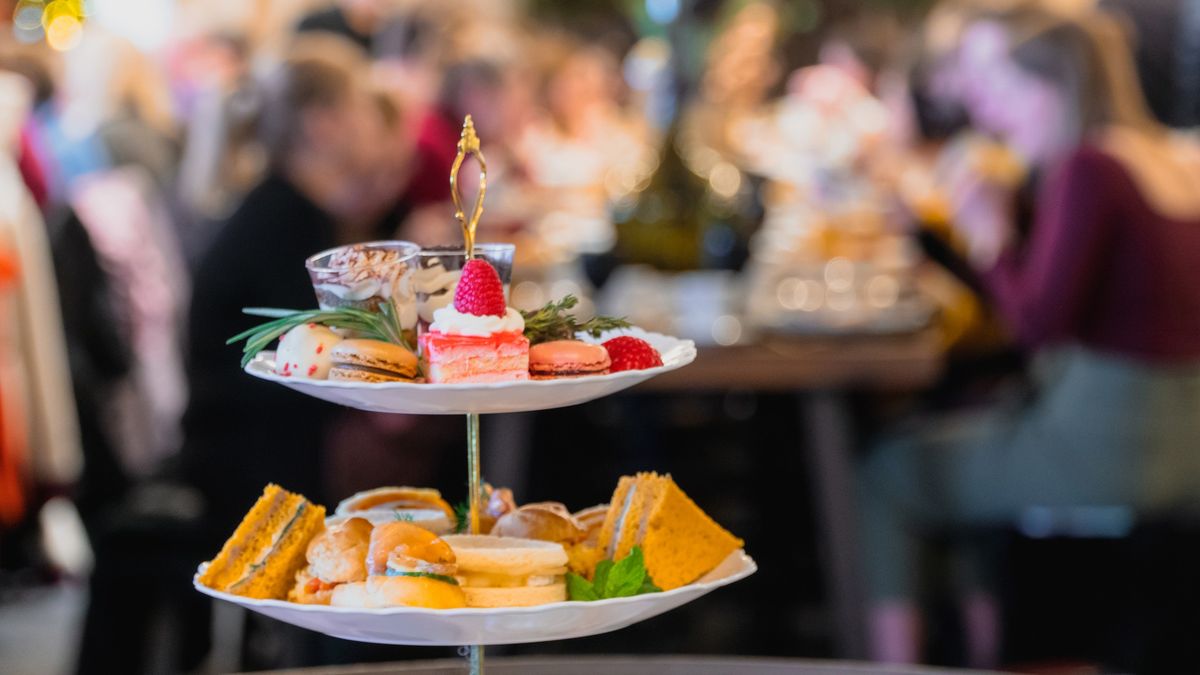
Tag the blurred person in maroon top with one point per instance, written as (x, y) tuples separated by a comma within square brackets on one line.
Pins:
[(1104, 293)]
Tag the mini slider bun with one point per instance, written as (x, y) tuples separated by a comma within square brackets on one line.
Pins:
[(567, 358), (509, 572), (545, 521), (360, 360)]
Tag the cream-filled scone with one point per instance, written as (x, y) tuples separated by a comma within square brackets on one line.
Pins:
[(509, 572)]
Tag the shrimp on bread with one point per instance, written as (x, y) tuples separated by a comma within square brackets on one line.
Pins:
[(336, 556)]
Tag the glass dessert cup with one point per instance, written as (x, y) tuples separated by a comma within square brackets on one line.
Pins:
[(438, 269), (368, 276)]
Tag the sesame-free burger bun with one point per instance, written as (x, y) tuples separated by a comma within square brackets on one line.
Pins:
[(361, 360), (476, 553)]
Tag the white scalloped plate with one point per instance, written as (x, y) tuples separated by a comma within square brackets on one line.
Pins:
[(500, 626), (500, 397)]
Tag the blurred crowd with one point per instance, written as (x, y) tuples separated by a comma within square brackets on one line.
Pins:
[(991, 169)]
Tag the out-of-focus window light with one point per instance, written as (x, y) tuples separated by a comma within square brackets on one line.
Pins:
[(662, 11), (145, 23), (27, 21)]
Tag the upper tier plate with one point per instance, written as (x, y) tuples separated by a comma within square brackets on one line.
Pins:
[(501, 397), (500, 626)]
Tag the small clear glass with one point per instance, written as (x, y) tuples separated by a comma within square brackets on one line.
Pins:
[(438, 269), (367, 275)]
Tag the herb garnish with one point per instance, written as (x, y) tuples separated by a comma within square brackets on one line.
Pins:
[(552, 322), (382, 325), (622, 579), (428, 575)]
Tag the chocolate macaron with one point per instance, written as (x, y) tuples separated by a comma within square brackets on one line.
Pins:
[(360, 360), (567, 358)]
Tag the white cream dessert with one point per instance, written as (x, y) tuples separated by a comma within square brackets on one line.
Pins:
[(304, 351), (450, 321)]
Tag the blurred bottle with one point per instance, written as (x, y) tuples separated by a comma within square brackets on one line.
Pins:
[(691, 215)]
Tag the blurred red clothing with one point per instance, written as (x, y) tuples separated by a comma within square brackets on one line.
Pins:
[(437, 145), (32, 171), (1103, 268)]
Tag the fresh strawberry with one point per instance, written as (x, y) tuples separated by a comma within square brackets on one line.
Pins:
[(479, 291), (630, 353)]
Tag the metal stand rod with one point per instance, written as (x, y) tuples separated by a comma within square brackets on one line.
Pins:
[(475, 497)]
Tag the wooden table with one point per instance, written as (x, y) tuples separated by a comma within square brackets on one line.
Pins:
[(823, 371), (628, 665), (899, 363)]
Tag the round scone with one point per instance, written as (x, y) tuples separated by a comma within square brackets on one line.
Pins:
[(360, 360), (508, 571), (544, 521)]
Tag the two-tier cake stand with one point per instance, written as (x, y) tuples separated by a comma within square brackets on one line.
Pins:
[(478, 627)]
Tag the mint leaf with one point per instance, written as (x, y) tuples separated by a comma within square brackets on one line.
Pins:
[(600, 576), (622, 579), (579, 588), (626, 576)]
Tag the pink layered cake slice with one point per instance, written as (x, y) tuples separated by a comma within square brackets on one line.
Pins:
[(464, 358), (478, 338)]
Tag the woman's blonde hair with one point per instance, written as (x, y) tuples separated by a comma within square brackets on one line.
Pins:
[(1089, 58)]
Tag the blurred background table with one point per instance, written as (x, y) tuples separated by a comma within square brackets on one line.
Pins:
[(824, 371), (884, 363), (624, 665)]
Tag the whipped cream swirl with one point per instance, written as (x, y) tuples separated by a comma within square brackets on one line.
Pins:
[(450, 321)]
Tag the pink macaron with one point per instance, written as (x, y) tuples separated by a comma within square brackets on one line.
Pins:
[(567, 358)]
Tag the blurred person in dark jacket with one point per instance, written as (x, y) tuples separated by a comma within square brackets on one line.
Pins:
[(320, 127)]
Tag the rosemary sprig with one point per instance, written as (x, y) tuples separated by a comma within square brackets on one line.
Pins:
[(382, 325), (552, 322)]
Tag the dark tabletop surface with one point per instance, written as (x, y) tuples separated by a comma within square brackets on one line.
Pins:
[(631, 665)]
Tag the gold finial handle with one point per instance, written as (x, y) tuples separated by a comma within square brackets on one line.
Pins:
[(468, 144)]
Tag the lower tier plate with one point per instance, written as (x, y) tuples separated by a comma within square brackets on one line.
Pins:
[(500, 626)]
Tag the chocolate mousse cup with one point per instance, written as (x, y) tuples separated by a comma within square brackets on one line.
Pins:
[(367, 276)]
